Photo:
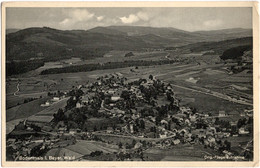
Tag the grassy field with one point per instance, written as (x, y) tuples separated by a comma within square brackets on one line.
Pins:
[(12, 101), (86, 147), (11, 124), (60, 152), (206, 103), (179, 153), (46, 115), (119, 56), (82, 148), (25, 110)]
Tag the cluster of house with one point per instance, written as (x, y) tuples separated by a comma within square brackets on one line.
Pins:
[(187, 129)]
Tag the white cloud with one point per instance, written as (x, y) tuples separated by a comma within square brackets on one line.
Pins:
[(65, 21), (81, 14), (99, 18), (130, 19), (213, 23), (143, 16), (76, 16)]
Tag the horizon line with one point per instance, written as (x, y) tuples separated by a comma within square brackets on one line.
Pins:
[(129, 26)]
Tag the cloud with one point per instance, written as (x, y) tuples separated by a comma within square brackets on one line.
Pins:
[(76, 16), (143, 16), (81, 14), (99, 18), (130, 19), (213, 23), (65, 21)]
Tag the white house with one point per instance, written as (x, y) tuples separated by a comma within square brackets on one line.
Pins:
[(56, 99), (78, 105), (242, 131), (222, 113), (115, 98)]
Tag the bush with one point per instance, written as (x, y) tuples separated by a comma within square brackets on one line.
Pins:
[(96, 153)]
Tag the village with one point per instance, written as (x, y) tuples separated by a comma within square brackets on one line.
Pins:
[(144, 111)]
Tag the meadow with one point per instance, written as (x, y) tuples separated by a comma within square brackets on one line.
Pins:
[(81, 148), (181, 152)]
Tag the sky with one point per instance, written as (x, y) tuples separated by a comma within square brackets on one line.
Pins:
[(189, 19)]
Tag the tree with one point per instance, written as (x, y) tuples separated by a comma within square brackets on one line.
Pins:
[(125, 95), (169, 126), (133, 142), (142, 124), (95, 128), (157, 120), (227, 145), (59, 116), (120, 145), (240, 123), (151, 77)]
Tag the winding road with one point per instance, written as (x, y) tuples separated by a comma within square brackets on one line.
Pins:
[(15, 93)]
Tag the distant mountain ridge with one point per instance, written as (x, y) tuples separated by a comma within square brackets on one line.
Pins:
[(54, 44)]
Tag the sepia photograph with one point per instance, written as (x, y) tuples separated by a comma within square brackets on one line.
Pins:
[(115, 83)]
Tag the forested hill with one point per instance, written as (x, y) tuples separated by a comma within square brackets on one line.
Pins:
[(52, 44)]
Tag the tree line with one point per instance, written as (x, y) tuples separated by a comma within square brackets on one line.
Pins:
[(14, 68), (109, 65)]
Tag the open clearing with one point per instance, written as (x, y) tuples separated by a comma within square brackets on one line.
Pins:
[(182, 152), (86, 147), (81, 148), (119, 56), (46, 115), (25, 110)]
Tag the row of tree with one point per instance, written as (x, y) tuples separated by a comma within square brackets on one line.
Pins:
[(109, 65)]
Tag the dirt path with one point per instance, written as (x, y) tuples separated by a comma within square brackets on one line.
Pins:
[(15, 93)]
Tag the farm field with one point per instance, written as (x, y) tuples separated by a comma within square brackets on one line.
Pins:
[(119, 56), (11, 124), (81, 148), (46, 115), (237, 141), (179, 153), (25, 110), (86, 147), (60, 152)]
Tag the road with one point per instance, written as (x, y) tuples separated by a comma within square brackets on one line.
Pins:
[(26, 94), (133, 137), (15, 93)]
